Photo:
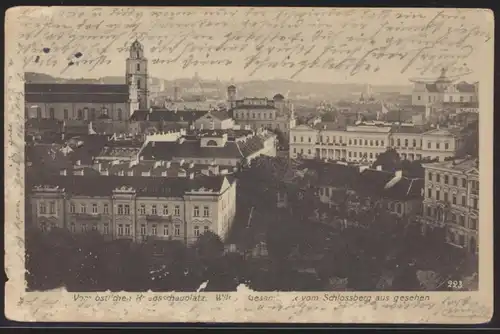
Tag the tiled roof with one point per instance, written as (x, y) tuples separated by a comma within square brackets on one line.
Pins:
[(220, 115), (145, 186), (457, 164), (74, 93), (167, 115), (92, 145), (192, 149)]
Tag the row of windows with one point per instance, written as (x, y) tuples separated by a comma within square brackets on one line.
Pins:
[(450, 98), (51, 208), (92, 114), (454, 180), (124, 209), (376, 143), (454, 218), (166, 230), (254, 115), (446, 198)]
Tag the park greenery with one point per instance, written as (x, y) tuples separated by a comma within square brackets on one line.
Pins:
[(383, 252)]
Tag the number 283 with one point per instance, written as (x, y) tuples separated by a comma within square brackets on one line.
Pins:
[(455, 284)]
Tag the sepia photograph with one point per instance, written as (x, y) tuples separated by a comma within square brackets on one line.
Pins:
[(194, 150)]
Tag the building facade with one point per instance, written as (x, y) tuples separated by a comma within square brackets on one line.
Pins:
[(136, 209), (443, 90), (364, 143), (451, 202), (92, 101), (276, 114)]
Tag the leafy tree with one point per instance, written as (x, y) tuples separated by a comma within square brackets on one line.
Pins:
[(208, 246), (389, 160)]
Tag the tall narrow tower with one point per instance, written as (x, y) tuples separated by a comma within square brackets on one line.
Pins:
[(137, 77)]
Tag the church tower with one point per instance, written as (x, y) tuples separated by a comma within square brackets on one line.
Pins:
[(137, 77)]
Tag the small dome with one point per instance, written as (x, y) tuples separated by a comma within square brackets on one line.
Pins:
[(278, 97), (232, 87)]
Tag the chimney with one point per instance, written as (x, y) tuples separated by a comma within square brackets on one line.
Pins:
[(167, 164), (78, 162), (398, 174), (191, 164), (99, 166), (63, 172), (379, 167), (191, 175)]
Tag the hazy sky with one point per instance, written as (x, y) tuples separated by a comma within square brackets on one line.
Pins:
[(376, 46)]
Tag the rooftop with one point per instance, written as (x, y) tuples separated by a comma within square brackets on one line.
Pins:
[(74, 93), (463, 165), (167, 115), (144, 186)]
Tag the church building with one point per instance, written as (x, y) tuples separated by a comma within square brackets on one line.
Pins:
[(64, 101)]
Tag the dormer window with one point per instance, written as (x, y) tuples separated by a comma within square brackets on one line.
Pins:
[(211, 143)]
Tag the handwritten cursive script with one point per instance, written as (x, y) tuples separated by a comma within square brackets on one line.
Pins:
[(295, 43)]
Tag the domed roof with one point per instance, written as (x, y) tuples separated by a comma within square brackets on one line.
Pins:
[(136, 45), (231, 87), (278, 97)]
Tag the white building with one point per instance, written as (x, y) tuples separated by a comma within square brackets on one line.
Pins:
[(363, 143), (443, 90), (452, 201)]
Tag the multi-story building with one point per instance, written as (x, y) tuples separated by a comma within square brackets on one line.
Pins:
[(443, 90), (276, 114), (136, 208), (451, 202), (366, 142), (91, 101)]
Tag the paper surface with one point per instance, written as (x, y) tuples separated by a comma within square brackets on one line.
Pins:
[(320, 45)]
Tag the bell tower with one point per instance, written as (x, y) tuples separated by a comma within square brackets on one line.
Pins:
[(137, 77)]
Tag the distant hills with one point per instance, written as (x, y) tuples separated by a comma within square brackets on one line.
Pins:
[(295, 90)]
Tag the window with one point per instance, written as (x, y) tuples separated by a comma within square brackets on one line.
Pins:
[(177, 211), (455, 180), (154, 229), (142, 209), (446, 179), (454, 199), (52, 113), (120, 209), (438, 195), (301, 139), (445, 197), (464, 183), (438, 177), (437, 146), (83, 208), (309, 151), (406, 142), (294, 150), (177, 229), (430, 176), (453, 218), (196, 231), (464, 203), (366, 142), (355, 142), (43, 208), (196, 211), (206, 211), (138, 83), (446, 146), (309, 139), (94, 227), (350, 142), (138, 67), (398, 142), (461, 99), (106, 228), (119, 114), (419, 97), (43, 227), (120, 229), (205, 229), (428, 145), (38, 112), (414, 143), (52, 207), (84, 227), (165, 210), (376, 142), (105, 209), (165, 229), (349, 153), (461, 220), (72, 208), (381, 143), (430, 99), (474, 203), (73, 227), (65, 114), (94, 208), (153, 209), (371, 155), (143, 229), (126, 208), (355, 154), (294, 139), (473, 223), (429, 211), (127, 229)]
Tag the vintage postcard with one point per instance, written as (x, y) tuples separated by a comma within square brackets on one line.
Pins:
[(246, 164)]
